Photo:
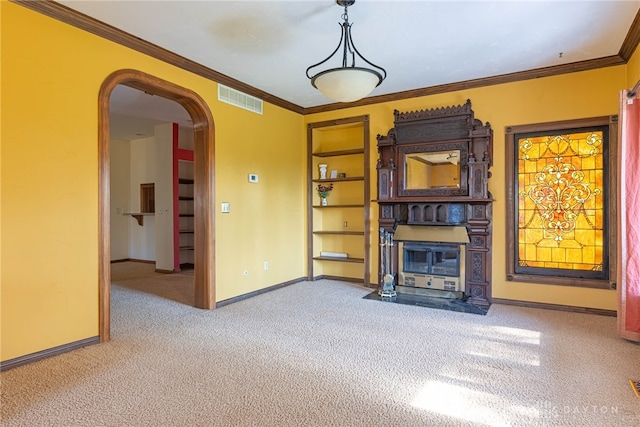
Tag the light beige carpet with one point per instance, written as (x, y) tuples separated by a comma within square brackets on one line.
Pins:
[(317, 354)]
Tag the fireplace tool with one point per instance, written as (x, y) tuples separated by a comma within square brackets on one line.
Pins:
[(383, 260), (386, 243)]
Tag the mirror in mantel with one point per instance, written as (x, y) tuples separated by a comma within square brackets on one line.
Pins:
[(432, 170)]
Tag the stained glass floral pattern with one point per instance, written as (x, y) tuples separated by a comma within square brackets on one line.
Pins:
[(561, 201)]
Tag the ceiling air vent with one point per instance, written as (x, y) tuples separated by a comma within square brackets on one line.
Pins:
[(239, 99)]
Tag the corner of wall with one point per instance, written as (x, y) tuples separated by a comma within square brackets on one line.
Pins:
[(633, 69)]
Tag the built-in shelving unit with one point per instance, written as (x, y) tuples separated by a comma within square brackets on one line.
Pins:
[(185, 214), (342, 225), (184, 230)]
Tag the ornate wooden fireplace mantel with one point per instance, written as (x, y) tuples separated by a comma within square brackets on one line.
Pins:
[(433, 170)]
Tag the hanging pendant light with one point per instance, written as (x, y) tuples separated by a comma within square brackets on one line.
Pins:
[(347, 83)]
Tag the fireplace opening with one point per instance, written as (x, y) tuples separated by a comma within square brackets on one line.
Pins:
[(429, 265), (426, 259), (431, 260)]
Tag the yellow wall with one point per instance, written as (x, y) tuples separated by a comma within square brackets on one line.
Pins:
[(633, 69), (0, 181), (51, 74), (571, 96)]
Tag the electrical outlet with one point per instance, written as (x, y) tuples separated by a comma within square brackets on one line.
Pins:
[(225, 207), (266, 265)]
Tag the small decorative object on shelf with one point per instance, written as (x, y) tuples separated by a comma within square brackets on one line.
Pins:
[(334, 254), (323, 171), (324, 191)]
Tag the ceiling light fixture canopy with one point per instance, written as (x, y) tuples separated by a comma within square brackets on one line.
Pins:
[(347, 83)]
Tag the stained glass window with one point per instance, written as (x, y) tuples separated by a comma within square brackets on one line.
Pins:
[(561, 202), (561, 211)]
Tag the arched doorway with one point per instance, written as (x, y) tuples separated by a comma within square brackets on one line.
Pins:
[(204, 139)]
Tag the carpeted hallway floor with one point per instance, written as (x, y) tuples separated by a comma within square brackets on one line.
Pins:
[(318, 354)]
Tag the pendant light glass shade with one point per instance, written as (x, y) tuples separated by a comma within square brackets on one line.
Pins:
[(347, 83)]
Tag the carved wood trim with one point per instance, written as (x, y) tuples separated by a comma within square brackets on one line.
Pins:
[(203, 189), (84, 22), (591, 64), (45, 354), (631, 41), (559, 307), (252, 294), (431, 131), (440, 112)]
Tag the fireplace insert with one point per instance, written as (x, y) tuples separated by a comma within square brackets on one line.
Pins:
[(431, 265)]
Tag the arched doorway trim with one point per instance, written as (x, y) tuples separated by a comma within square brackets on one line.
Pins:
[(204, 140)]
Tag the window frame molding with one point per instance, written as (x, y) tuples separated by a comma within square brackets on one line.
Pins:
[(610, 198)]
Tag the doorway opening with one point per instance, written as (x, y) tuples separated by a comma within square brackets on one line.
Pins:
[(203, 171)]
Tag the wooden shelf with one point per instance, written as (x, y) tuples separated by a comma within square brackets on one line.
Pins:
[(339, 152), (183, 215), (459, 199), (185, 181), (139, 216), (187, 248), (185, 198), (337, 206), (348, 178), (186, 231), (339, 259), (344, 233)]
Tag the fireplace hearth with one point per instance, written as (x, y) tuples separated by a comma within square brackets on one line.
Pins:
[(451, 304)]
